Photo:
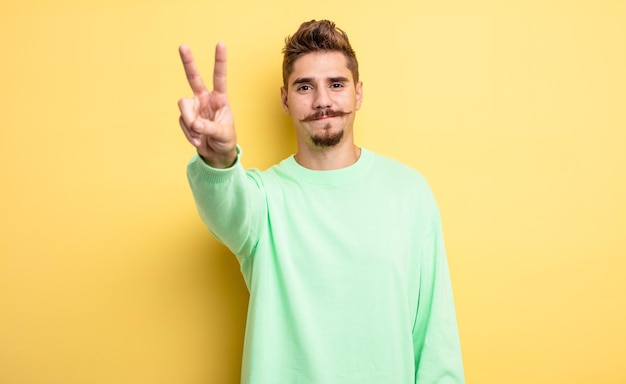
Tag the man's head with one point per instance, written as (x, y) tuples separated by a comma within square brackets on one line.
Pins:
[(317, 36), (321, 90)]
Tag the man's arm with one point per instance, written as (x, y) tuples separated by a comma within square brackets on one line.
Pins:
[(435, 334), (229, 202)]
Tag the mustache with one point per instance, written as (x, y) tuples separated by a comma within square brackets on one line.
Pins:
[(324, 113)]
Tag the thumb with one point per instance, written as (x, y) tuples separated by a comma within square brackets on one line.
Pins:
[(197, 126), (203, 127)]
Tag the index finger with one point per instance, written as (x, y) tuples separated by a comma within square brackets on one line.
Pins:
[(191, 70)]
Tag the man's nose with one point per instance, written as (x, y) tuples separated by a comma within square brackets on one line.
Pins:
[(322, 99)]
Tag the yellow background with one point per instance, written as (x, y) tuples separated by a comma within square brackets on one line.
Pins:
[(514, 110)]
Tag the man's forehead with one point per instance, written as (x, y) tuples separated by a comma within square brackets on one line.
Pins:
[(321, 65)]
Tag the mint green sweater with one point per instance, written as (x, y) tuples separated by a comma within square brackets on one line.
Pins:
[(346, 270)]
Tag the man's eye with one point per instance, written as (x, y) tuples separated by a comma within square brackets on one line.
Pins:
[(304, 88), (336, 85)]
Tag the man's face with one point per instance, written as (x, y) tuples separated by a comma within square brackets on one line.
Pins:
[(322, 99)]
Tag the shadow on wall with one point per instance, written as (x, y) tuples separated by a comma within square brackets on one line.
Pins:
[(264, 130), (224, 309)]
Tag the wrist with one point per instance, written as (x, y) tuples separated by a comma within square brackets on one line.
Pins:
[(220, 161)]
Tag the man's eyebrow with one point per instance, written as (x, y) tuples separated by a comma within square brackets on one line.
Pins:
[(302, 80), (335, 79), (338, 79)]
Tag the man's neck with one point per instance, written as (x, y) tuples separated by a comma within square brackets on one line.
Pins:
[(339, 156)]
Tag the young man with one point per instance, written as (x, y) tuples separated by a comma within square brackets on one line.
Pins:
[(341, 249)]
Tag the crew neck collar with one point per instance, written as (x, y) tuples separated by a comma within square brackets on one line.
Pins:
[(328, 177)]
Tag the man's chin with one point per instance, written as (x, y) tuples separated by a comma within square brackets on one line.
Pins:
[(327, 139)]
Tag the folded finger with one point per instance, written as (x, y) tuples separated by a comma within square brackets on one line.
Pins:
[(187, 108), (193, 138)]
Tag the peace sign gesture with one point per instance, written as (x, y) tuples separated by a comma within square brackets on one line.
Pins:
[(206, 118)]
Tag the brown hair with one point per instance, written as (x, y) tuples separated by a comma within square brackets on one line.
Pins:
[(315, 36)]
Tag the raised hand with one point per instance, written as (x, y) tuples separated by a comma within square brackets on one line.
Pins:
[(206, 118)]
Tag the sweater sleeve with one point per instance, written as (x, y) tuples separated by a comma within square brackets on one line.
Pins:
[(230, 202), (435, 334)]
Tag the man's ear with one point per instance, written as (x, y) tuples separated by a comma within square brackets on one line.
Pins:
[(359, 94), (283, 99)]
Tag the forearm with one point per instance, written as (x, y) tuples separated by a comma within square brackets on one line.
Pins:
[(229, 202)]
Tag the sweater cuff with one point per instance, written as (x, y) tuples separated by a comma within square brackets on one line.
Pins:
[(200, 171)]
